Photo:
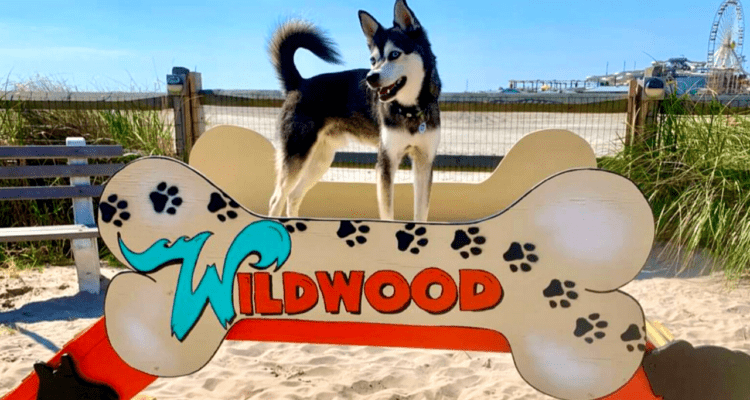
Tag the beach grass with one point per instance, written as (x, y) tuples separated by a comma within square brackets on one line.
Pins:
[(139, 132), (694, 169)]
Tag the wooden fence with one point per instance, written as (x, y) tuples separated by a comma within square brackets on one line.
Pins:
[(187, 100)]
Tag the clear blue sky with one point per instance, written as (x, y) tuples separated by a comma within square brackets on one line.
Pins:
[(119, 45)]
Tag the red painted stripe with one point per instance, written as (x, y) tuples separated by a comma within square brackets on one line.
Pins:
[(369, 334)]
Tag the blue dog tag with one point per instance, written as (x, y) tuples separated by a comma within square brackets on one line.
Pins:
[(422, 127)]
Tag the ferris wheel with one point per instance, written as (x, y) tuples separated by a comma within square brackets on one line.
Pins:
[(727, 34)]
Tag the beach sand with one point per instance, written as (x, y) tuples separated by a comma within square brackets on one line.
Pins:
[(41, 311)]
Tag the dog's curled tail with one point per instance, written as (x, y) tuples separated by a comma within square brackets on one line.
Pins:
[(290, 36)]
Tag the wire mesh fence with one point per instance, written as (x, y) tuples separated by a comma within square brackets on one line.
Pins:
[(477, 129), (141, 122)]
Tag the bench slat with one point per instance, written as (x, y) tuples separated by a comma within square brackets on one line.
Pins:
[(33, 233), (28, 152), (53, 171), (49, 192)]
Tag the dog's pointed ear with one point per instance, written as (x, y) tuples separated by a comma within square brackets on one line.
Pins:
[(403, 17), (370, 26)]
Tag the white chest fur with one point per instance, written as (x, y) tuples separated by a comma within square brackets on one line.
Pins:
[(399, 142)]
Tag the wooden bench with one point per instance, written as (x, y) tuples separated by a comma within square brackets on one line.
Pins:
[(83, 233)]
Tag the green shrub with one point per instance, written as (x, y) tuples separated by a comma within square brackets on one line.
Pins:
[(695, 172), (139, 132)]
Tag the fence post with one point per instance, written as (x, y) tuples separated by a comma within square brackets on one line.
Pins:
[(650, 104), (198, 126), (642, 113), (184, 89), (633, 106), (177, 88)]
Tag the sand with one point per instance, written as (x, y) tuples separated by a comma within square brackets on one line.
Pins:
[(41, 311)]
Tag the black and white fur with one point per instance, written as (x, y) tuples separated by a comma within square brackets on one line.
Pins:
[(393, 106)]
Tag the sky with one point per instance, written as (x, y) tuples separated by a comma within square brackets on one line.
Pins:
[(132, 45)]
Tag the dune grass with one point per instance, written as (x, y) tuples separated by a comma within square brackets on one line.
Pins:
[(139, 132), (695, 171)]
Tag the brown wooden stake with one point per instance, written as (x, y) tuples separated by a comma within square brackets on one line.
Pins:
[(630, 128), (183, 111), (197, 124), (187, 118), (188, 113), (181, 129)]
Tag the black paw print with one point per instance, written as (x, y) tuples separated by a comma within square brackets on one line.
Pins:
[(110, 208), (584, 326), (218, 202), (405, 238), (634, 333), (461, 239), (555, 289), (165, 198), (515, 252), (347, 228), (291, 228)]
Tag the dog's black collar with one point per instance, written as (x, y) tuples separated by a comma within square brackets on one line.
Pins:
[(410, 112), (415, 116)]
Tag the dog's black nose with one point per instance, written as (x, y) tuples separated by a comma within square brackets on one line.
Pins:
[(373, 79)]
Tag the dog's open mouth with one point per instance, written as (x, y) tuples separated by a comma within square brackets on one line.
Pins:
[(386, 93)]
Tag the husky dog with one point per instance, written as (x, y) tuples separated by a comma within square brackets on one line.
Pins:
[(392, 106)]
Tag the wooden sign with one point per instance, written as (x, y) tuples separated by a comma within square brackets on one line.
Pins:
[(241, 162), (539, 278)]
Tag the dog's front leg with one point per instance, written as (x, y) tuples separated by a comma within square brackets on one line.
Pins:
[(385, 169), (422, 170)]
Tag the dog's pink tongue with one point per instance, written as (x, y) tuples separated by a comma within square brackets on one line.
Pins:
[(386, 89)]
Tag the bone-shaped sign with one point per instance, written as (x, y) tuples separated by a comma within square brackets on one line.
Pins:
[(543, 275)]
